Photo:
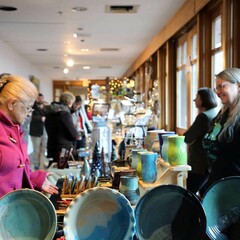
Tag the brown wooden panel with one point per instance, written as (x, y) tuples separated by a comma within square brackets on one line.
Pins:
[(199, 4), (185, 14)]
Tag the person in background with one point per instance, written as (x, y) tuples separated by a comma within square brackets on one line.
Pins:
[(88, 112), (38, 134), (60, 130), (26, 129), (81, 122), (155, 118), (17, 96), (206, 103)]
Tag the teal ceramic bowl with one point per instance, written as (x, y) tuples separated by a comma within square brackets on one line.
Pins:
[(170, 212), (27, 215), (99, 213), (221, 203)]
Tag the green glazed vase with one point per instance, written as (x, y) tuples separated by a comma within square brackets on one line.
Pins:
[(177, 151)]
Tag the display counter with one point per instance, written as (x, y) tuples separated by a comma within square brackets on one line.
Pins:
[(167, 174)]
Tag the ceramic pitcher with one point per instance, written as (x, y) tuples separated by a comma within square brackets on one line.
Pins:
[(139, 164), (135, 152), (149, 139), (177, 151), (161, 139), (149, 167), (165, 146)]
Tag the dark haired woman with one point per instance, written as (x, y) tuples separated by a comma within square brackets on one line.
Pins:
[(206, 103)]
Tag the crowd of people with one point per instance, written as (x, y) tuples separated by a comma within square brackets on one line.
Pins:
[(56, 130), (213, 138), (51, 127)]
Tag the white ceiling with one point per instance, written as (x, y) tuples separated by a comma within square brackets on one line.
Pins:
[(50, 24)]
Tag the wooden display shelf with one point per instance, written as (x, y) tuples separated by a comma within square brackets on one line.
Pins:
[(167, 174)]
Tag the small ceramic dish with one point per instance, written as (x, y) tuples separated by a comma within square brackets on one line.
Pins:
[(99, 213), (27, 214), (170, 212), (221, 203)]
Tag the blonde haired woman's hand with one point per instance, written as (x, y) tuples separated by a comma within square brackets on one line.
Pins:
[(48, 187)]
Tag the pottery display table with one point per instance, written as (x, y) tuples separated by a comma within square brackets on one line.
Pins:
[(167, 174), (59, 173)]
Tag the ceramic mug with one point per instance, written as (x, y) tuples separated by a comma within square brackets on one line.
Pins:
[(129, 188), (118, 174), (149, 166)]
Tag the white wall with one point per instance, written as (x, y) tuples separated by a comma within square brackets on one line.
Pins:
[(13, 63)]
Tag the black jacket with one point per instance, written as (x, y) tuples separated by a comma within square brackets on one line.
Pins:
[(36, 124), (60, 129)]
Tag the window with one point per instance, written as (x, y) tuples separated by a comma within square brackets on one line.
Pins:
[(194, 79), (216, 48), (187, 80), (181, 99), (181, 83)]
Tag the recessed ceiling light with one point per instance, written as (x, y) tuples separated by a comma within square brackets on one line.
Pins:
[(79, 9), (70, 62), (8, 8), (86, 67), (75, 35), (80, 29), (65, 70), (84, 50)]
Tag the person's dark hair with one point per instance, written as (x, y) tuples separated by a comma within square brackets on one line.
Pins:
[(40, 95), (208, 97), (78, 99)]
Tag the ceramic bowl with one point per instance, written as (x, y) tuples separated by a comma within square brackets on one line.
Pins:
[(170, 212), (99, 213), (27, 214), (221, 203)]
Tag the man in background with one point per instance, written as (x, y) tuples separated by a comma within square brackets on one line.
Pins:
[(38, 134), (81, 122)]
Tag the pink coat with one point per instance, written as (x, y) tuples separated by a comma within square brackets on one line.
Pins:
[(15, 172)]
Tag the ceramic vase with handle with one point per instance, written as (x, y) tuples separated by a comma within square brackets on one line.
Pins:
[(149, 139), (161, 139), (177, 151), (149, 166), (135, 152)]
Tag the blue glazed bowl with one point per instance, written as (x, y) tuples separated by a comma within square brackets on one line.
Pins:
[(221, 203), (170, 212), (99, 213), (27, 214)]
